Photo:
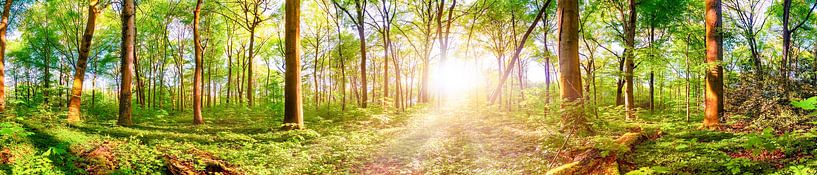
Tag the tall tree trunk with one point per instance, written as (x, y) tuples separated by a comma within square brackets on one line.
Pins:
[(386, 43), (571, 80), (714, 56), (210, 83), (359, 5), (46, 66), (786, 39), (547, 64), (127, 67), (688, 73), (229, 65), (249, 67), (652, 73), (629, 56), (315, 94), (140, 86), (93, 85), (79, 74), (4, 23), (293, 105), (197, 73), (342, 61)]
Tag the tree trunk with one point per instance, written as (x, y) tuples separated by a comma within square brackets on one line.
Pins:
[(714, 56), (786, 38), (249, 67), (570, 79), (127, 67), (386, 44), (229, 66), (652, 73), (293, 105), (342, 63), (629, 56), (140, 86), (4, 23), (198, 72), (46, 67), (211, 84), (360, 32), (547, 65), (315, 94), (79, 75)]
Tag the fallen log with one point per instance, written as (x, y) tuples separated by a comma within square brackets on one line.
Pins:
[(591, 161), (101, 159), (213, 165)]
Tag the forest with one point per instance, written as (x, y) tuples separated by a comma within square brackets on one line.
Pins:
[(557, 87)]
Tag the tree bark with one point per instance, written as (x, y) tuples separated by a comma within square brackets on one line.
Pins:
[(4, 23), (198, 72), (688, 72), (652, 73), (127, 67), (714, 75), (79, 74), (140, 86), (249, 77), (359, 5), (342, 61), (629, 56), (570, 79), (229, 83), (293, 104)]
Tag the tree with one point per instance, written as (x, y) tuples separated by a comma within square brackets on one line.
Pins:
[(657, 15), (518, 50), (126, 67), (714, 74), (198, 73), (4, 23), (359, 21), (84, 49), (570, 79), (629, 57), (748, 17), (293, 101), (787, 32), (251, 16)]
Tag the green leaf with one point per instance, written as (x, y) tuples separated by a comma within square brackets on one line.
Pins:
[(807, 104), (6, 131), (681, 146), (660, 169)]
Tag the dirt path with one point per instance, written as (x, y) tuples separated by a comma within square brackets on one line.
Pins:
[(460, 141)]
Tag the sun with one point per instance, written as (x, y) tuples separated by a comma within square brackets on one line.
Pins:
[(456, 78)]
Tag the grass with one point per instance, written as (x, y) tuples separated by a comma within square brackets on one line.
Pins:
[(250, 140), (684, 149), (455, 140)]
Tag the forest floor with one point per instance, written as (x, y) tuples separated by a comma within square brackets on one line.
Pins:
[(459, 139)]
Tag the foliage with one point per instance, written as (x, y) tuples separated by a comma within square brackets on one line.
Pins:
[(809, 104), (11, 133)]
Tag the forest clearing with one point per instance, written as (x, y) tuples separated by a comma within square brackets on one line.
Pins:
[(486, 87)]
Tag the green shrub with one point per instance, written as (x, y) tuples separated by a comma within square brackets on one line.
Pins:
[(11, 133)]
